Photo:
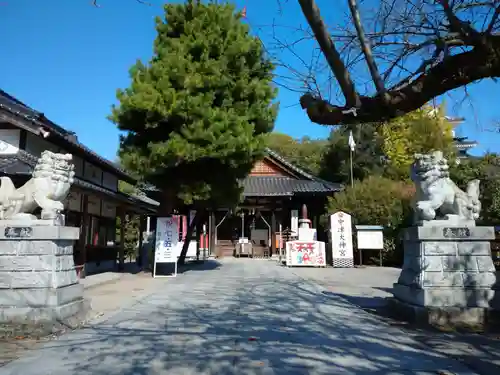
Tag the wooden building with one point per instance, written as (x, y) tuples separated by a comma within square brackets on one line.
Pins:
[(274, 193), (94, 202)]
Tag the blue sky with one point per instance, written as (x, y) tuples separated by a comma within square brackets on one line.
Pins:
[(66, 58)]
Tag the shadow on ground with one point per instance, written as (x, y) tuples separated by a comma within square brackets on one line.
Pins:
[(253, 324), (128, 267), (168, 268), (480, 352), (207, 265)]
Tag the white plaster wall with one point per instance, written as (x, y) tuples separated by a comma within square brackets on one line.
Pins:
[(9, 141)]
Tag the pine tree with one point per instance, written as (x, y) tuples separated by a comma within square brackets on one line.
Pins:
[(197, 114)]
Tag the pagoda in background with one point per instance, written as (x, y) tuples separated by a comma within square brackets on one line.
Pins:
[(462, 144)]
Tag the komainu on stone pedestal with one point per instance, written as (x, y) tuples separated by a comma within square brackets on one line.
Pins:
[(438, 200), (48, 187), (448, 271), (39, 286)]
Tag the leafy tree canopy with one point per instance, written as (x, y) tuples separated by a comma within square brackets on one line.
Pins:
[(131, 224), (195, 116), (487, 170), (368, 158), (304, 152), (375, 201), (378, 200), (421, 131), (387, 149)]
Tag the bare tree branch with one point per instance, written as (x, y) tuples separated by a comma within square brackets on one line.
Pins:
[(454, 72), (313, 17), (411, 51), (94, 3), (366, 48), (423, 48), (494, 19)]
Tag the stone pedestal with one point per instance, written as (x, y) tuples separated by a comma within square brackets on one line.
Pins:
[(38, 280), (447, 275)]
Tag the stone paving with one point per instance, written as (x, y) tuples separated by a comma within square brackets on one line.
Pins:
[(107, 292), (240, 317), (368, 288)]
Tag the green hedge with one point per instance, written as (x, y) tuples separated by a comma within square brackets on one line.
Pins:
[(378, 201)]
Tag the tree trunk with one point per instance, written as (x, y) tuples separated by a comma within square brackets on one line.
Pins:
[(187, 240), (167, 202)]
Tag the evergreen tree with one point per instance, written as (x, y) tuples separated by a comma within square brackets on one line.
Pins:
[(304, 152), (387, 149), (197, 114), (368, 157)]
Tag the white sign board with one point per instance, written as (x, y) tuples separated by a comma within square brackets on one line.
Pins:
[(341, 239), (305, 253), (370, 239), (167, 241)]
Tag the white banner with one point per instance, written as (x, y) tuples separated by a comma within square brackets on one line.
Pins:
[(341, 235), (192, 214), (167, 240), (308, 234), (294, 224), (305, 253)]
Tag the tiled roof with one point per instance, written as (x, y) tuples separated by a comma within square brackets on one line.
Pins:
[(23, 163), (17, 108), (288, 165), (285, 186), (144, 198), (300, 171), (281, 186)]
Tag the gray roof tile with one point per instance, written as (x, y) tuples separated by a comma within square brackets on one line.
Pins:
[(23, 163), (17, 108), (285, 186)]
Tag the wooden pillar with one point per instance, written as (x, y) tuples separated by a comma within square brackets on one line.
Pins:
[(273, 232), (142, 223), (211, 233), (199, 226), (121, 250), (82, 241)]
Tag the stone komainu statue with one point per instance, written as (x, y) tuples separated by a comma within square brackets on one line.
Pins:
[(438, 197), (50, 183)]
